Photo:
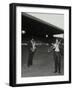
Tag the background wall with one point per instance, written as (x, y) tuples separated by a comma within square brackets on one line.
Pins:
[(4, 44)]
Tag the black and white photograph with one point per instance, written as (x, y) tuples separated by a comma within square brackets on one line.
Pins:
[(40, 41), (42, 44)]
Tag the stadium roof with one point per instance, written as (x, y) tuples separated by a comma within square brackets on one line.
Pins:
[(37, 28)]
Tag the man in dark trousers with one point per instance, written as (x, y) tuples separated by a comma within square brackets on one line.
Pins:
[(57, 56), (32, 49)]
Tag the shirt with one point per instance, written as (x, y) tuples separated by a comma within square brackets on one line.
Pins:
[(33, 47), (56, 46)]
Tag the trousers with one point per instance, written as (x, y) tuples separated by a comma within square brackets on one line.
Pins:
[(57, 61), (30, 58)]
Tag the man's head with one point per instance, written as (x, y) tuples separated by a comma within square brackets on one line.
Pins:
[(57, 41), (32, 40)]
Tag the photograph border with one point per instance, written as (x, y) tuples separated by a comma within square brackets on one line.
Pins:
[(12, 41)]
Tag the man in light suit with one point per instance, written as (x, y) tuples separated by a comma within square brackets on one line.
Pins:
[(57, 56)]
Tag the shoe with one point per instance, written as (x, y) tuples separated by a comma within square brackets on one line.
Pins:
[(55, 71), (59, 72), (29, 65)]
